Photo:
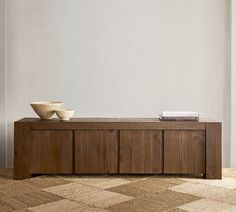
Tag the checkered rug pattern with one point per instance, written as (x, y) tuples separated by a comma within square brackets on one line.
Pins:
[(98, 193)]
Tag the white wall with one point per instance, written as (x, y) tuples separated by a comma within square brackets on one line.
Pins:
[(233, 83), (121, 58), (2, 86)]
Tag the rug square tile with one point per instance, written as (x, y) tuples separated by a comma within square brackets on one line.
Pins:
[(64, 205), (155, 184), (88, 195), (206, 191), (30, 199), (4, 181), (225, 182), (134, 177), (70, 190), (2, 194), (160, 201), (46, 181), (105, 199), (134, 205), (166, 182), (92, 210), (207, 205), (170, 198), (5, 207), (100, 182), (175, 210), (129, 191), (146, 185), (16, 187)]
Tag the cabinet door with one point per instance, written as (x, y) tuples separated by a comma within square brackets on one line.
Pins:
[(51, 151), (96, 151), (140, 151), (184, 152)]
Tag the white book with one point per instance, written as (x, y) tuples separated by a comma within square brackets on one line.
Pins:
[(179, 114)]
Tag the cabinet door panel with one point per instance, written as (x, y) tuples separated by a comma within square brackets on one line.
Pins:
[(140, 151), (184, 152), (51, 151), (96, 151)]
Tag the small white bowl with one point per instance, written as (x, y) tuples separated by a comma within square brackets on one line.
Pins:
[(65, 114), (45, 110)]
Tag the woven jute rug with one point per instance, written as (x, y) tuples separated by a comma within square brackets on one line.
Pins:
[(117, 193)]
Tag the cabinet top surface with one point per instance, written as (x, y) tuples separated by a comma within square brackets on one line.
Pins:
[(109, 120)]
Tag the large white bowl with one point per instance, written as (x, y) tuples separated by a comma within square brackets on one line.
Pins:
[(65, 114), (45, 110)]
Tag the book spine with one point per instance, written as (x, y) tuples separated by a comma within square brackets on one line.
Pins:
[(179, 118)]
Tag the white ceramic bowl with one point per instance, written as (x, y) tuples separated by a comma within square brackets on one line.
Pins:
[(45, 110), (65, 114)]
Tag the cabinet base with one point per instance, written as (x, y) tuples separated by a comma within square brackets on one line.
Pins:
[(204, 176)]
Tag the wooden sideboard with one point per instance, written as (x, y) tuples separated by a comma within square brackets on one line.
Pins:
[(116, 146)]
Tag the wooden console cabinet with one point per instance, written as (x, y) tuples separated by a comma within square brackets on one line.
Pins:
[(116, 146)]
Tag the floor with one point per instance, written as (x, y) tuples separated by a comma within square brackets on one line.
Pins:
[(117, 193)]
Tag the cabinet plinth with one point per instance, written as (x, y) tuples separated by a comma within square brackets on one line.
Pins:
[(116, 146)]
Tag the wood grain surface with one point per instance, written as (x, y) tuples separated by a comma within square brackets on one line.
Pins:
[(184, 152), (96, 151), (113, 123), (116, 145), (141, 151), (21, 151), (213, 151), (51, 151)]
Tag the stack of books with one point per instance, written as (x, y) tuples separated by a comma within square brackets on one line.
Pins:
[(179, 116)]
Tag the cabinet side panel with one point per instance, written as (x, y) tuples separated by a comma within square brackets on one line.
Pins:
[(213, 151), (21, 151)]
